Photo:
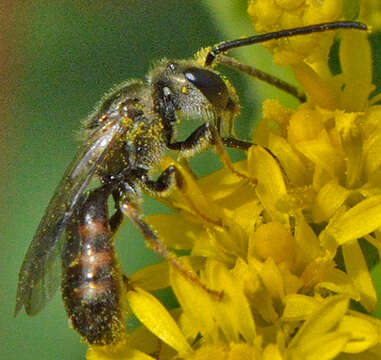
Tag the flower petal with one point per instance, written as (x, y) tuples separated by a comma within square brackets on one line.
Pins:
[(306, 242), (358, 271), (294, 167), (116, 353), (363, 334), (233, 312), (322, 153), (176, 231), (320, 91), (330, 197), (357, 70), (196, 303), (220, 184), (298, 307), (157, 319), (325, 318), (151, 277), (323, 347), (338, 281), (358, 221), (271, 185)]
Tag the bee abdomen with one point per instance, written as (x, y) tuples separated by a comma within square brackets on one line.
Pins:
[(91, 275)]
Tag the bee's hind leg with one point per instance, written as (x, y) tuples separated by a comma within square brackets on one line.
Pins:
[(130, 207)]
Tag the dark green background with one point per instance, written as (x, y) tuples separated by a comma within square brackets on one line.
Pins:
[(69, 53)]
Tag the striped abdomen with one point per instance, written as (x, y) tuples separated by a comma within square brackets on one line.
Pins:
[(91, 284)]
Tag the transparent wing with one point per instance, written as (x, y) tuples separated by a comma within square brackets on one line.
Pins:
[(38, 277)]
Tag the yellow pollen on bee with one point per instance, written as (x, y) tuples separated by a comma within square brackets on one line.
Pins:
[(184, 90)]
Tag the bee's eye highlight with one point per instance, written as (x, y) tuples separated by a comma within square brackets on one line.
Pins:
[(210, 84)]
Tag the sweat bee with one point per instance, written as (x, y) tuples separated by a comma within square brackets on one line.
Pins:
[(126, 137)]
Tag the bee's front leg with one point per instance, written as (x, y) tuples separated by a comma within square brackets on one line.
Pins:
[(207, 136)]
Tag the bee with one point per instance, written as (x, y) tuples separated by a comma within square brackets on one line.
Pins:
[(125, 138)]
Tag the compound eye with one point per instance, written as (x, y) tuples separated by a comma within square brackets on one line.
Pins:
[(210, 84)]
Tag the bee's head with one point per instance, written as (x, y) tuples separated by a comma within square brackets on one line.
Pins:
[(193, 91)]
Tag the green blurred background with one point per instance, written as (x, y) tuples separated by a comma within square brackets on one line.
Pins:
[(57, 59)]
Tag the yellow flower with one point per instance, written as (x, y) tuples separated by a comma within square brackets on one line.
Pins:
[(272, 15), (328, 149), (274, 249)]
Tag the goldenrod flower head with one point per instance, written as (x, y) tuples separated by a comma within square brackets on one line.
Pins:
[(272, 249), (273, 15)]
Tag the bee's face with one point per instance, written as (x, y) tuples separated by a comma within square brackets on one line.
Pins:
[(192, 90)]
